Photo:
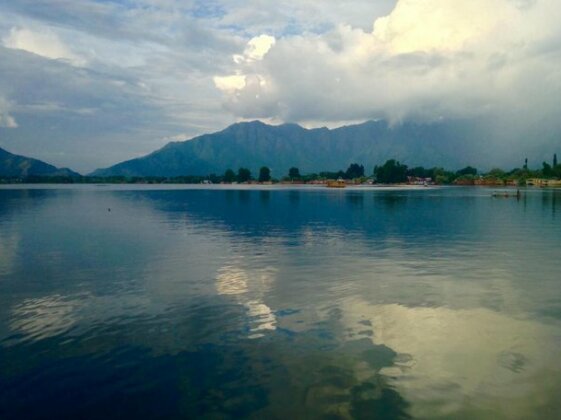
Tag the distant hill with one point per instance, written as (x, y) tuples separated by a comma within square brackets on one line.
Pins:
[(452, 144), (20, 167)]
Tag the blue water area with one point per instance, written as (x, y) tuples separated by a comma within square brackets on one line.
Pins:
[(280, 302)]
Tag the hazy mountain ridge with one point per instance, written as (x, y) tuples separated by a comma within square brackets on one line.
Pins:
[(17, 166), (255, 144)]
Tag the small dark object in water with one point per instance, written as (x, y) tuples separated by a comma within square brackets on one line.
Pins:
[(108, 209), (507, 194)]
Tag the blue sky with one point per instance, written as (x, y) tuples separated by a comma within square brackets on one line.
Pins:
[(86, 83)]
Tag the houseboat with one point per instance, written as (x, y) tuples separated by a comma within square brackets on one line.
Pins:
[(336, 184)]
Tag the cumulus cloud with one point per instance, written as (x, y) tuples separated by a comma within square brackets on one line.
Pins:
[(427, 59), (95, 82), (255, 51)]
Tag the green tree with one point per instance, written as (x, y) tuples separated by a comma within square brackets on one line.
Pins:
[(547, 171), (496, 173), (213, 178), (391, 172), (354, 171), (264, 174), (332, 175), (244, 175), (557, 171), (468, 170), (294, 173), (420, 172), (229, 176), (556, 167)]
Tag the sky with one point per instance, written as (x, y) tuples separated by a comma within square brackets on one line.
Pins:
[(89, 83)]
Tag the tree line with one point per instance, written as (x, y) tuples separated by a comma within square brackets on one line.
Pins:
[(391, 172), (394, 172)]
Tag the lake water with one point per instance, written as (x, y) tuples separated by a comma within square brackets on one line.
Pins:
[(190, 302)]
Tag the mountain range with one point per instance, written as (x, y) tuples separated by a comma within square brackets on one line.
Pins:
[(452, 144), (255, 144), (16, 166)]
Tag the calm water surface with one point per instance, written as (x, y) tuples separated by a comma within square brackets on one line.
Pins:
[(279, 303)]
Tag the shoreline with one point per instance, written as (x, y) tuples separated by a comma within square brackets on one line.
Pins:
[(252, 187)]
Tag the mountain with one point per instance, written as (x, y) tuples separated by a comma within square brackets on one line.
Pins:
[(17, 166), (451, 144)]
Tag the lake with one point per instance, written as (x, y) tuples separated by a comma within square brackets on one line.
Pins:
[(278, 302)]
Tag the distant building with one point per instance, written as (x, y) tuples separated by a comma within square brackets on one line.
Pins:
[(542, 182), (414, 180), (489, 181)]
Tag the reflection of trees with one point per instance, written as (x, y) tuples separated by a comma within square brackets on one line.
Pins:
[(550, 199), (377, 215), (355, 200), (18, 201), (392, 200), (294, 197), (244, 196), (264, 196)]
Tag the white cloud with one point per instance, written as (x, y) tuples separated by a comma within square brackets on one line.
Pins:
[(171, 66), (436, 25), (255, 50), (230, 84), (44, 43), (6, 120), (427, 59)]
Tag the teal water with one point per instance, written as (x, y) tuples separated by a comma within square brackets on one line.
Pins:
[(137, 302)]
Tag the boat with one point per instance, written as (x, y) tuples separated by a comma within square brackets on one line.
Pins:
[(336, 184), (506, 194)]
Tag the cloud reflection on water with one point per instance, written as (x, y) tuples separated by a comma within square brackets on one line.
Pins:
[(9, 244), (450, 305), (41, 318), (464, 360), (248, 288)]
